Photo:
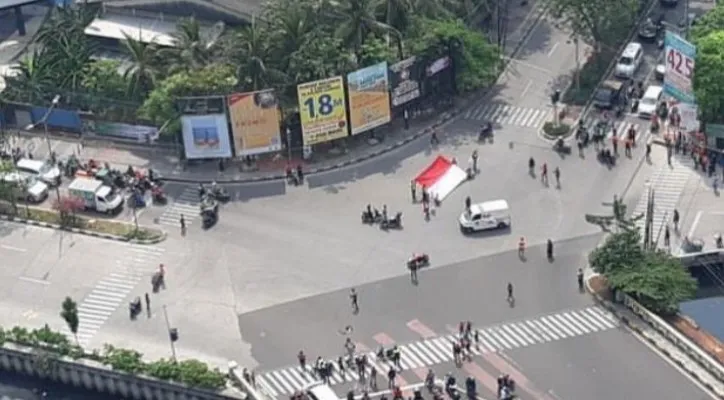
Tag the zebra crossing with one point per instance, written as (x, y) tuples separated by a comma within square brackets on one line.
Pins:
[(433, 351), (139, 263), (187, 204), (667, 182), (499, 113), (621, 127)]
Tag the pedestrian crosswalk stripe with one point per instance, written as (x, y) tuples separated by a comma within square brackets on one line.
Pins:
[(432, 351), (109, 292), (667, 182), (506, 114), (186, 204)]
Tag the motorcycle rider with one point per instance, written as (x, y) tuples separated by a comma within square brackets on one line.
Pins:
[(202, 191), (214, 188), (470, 385), (350, 347)]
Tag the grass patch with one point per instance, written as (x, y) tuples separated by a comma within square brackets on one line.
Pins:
[(115, 228), (556, 130)]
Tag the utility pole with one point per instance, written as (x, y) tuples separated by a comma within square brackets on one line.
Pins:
[(289, 144), (44, 121)]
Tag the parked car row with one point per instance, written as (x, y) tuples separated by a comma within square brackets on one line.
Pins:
[(32, 179)]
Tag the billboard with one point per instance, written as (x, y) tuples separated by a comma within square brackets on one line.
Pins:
[(437, 66), (369, 98), (58, 118), (322, 110), (405, 81), (254, 122), (206, 136), (140, 133), (679, 72)]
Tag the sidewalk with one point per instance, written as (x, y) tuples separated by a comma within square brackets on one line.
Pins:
[(653, 337)]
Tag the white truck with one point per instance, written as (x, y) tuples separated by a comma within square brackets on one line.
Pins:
[(96, 195)]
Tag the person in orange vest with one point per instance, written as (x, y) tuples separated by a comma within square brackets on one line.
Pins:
[(654, 123)]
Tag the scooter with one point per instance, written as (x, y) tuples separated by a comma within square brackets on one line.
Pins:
[(134, 307), (418, 261), (220, 194), (158, 196)]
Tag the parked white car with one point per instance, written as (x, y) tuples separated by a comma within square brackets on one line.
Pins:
[(27, 188), (487, 215), (42, 170), (650, 101)]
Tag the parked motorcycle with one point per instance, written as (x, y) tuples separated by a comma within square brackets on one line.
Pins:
[(561, 147), (371, 217), (392, 223), (158, 196)]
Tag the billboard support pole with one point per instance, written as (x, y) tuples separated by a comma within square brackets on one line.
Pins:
[(289, 144)]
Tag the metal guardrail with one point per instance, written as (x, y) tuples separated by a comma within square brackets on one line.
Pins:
[(678, 339)]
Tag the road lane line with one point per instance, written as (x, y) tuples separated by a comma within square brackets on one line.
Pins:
[(288, 389), (532, 337), (493, 343), (18, 249), (584, 321), (549, 336), (421, 354), (262, 381), (527, 87), (580, 326), (33, 280), (553, 49), (553, 327), (566, 325), (431, 353)]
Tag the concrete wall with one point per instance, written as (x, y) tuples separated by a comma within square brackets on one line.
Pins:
[(94, 376)]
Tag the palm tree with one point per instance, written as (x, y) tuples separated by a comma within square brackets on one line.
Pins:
[(141, 75), (355, 19), (34, 77), (250, 50), (289, 27), (191, 50)]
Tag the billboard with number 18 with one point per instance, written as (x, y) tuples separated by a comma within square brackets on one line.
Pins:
[(322, 110)]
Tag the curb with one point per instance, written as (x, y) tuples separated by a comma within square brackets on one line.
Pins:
[(634, 327), (106, 236), (314, 171)]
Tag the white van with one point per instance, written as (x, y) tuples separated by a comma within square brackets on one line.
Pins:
[(320, 391), (487, 215), (650, 101), (630, 61), (44, 171)]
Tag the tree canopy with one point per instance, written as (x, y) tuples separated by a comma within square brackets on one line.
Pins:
[(708, 82), (289, 42), (602, 24), (654, 278)]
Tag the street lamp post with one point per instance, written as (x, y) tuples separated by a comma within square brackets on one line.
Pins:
[(289, 144), (44, 121), (172, 334)]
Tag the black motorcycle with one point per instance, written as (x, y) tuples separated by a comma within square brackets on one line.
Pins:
[(134, 307), (371, 216), (486, 131), (393, 223), (605, 156), (561, 147), (220, 194)]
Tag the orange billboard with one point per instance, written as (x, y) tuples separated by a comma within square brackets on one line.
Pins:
[(255, 122)]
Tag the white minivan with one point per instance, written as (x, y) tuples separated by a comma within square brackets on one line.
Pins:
[(487, 215), (650, 101), (44, 171), (630, 61)]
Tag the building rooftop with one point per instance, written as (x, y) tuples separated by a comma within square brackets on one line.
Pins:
[(229, 11), (145, 30)]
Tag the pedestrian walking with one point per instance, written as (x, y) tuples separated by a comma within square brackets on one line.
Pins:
[(667, 236), (413, 190), (413, 271), (182, 222), (475, 160), (521, 247), (468, 203), (614, 140), (557, 174), (627, 149), (676, 220), (373, 378), (648, 151), (302, 360), (434, 140), (544, 173), (391, 374), (148, 304), (354, 300)]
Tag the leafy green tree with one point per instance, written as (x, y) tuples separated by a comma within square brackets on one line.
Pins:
[(659, 282), (104, 78), (620, 251), (34, 76), (599, 23), (355, 20), (712, 21), (69, 313), (7, 190), (191, 49), (160, 106), (476, 60), (708, 80), (253, 55)]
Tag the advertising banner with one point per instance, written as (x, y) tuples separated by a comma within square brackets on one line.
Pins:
[(140, 133), (206, 136), (679, 71), (322, 109), (369, 98), (254, 122), (439, 65), (58, 118), (405, 79)]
